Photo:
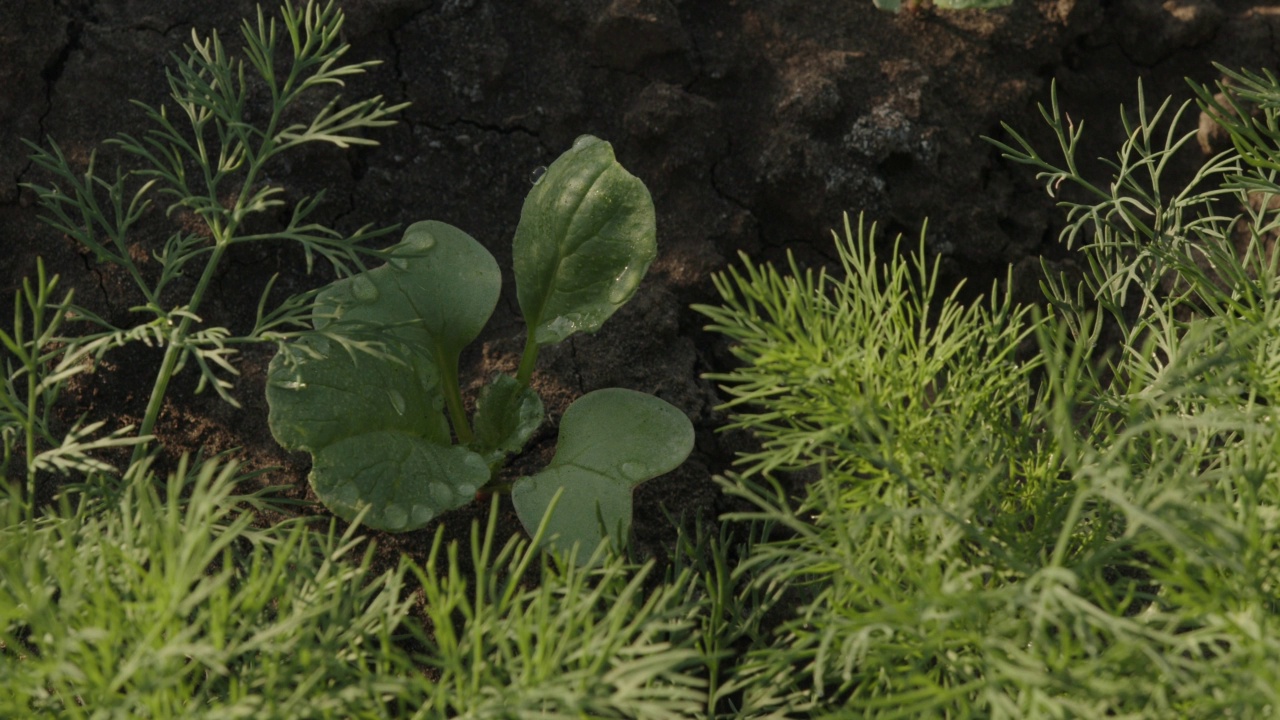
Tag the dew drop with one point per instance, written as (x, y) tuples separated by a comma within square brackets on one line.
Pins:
[(583, 141), (395, 517), (291, 385), (536, 176), (619, 293), (559, 328), (363, 289), (424, 240), (397, 401), (635, 471), (422, 514), (623, 285), (442, 495)]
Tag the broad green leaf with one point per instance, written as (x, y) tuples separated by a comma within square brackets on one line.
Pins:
[(610, 441), (375, 426), (387, 470), (586, 237), (439, 289), (376, 432), (335, 394), (507, 415)]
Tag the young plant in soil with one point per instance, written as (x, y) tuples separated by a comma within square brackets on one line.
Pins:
[(207, 163), (389, 431)]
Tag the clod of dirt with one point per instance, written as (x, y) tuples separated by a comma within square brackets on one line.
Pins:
[(1153, 32), (630, 32)]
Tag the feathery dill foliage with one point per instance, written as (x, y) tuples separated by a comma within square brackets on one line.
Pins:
[(166, 602), (597, 640), (1087, 532), (207, 155)]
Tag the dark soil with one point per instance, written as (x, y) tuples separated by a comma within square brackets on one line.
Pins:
[(754, 123)]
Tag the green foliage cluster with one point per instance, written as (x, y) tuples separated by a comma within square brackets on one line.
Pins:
[(1067, 511), (165, 601), (212, 168), (376, 425)]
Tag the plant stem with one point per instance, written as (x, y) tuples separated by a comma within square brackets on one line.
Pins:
[(453, 397), (30, 432), (222, 234), (173, 351), (527, 361)]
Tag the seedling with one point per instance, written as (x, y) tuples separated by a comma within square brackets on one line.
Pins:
[(388, 430), (201, 158)]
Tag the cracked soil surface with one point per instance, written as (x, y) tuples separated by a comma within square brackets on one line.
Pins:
[(754, 123)]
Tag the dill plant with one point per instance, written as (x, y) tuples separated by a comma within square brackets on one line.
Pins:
[(166, 601), (1083, 529), (202, 155), (599, 639), (133, 595)]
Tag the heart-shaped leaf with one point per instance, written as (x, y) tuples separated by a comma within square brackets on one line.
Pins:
[(586, 237), (610, 441), (375, 425)]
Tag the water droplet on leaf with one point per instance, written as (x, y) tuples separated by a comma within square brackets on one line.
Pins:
[(442, 495), (536, 176), (363, 289), (397, 401), (621, 290), (395, 517), (422, 514), (635, 471), (556, 330), (624, 285)]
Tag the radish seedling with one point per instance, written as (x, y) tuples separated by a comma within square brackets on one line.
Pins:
[(389, 430)]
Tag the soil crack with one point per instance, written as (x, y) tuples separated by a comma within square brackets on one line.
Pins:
[(51, 73)]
